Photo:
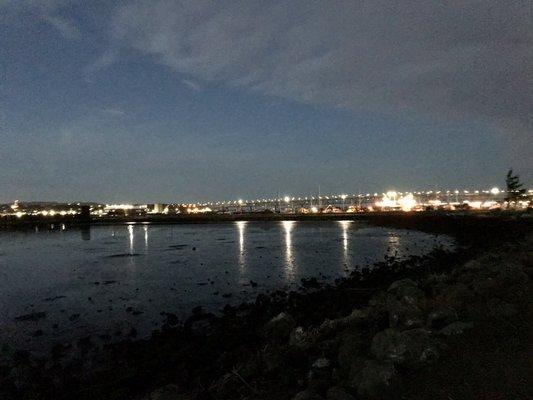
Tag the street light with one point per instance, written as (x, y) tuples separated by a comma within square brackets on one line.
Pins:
[(343, 197), (495, 191), (288, 201)]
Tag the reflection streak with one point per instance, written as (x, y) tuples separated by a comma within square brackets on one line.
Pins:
[(241, 225), (130, 232), (288, 226), (345, 225)]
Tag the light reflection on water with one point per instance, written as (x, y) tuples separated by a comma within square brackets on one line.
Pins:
[(99, 272), (290, 264), (241, 226), (345, 225)]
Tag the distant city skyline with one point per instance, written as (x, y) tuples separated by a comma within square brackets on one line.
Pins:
[(158, 101), (284, 197)]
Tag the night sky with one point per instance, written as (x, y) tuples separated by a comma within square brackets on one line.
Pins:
[(171, 101)]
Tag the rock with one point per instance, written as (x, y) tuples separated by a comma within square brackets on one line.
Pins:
[(435, 280), (272, 361), (404, 314), (328, 348), (280, 327), (378, 302), (301, 338), (506, 272), (321, 363), (403, 302), (413, 348), (377, 313), (456, 296), (21, 376), (377, 380), (406, 290), (319, 376), (168, 392), (456, 328), (308, 395), (441, 317), (436, 287), (500, 309), (251, 367), (350, 348), (511, 273), (338, 393)]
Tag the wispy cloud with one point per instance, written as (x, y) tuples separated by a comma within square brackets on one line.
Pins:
[(192, 85), (467, 59), (107, 58), (49, 11), (65, 27), (114, 111)]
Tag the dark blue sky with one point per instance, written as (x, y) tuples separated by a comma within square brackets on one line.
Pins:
[(180, 101)]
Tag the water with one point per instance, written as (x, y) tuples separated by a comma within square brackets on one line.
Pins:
[(104, 280)]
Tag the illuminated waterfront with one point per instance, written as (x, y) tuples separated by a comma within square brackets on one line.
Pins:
[(105, 279), (448, 200)]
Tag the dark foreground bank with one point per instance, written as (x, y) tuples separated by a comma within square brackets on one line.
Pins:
[(445, 326)]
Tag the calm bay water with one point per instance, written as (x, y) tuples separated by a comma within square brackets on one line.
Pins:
[(67, 284)]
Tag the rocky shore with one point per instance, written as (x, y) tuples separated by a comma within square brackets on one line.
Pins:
[(449, 325)]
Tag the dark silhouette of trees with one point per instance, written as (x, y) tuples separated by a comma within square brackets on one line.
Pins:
[(515, 190)]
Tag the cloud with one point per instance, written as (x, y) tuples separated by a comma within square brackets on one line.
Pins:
[(67, 28), (49, 11), (107, 58), (114, 111), (468, 59), (192, 85)]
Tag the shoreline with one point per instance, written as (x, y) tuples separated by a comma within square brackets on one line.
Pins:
[(196, 355), (378, 216)]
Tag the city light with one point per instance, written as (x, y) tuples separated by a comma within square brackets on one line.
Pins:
[(392, 200)]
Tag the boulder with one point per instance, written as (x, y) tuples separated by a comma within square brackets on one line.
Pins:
[(407, 291), (507, 272), (404, 315), (511, 273), (319, 377), (301, 338), (350, 348), (338, 393), (455, 328), (413, 348), (321, 363), (403, 303), (456, 296), (272, 361), (377, 380), (377, 303), (441, 317), (279, 328), (500, 309), (251, 367), (308, 395), (332, 326), (168, 392)]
